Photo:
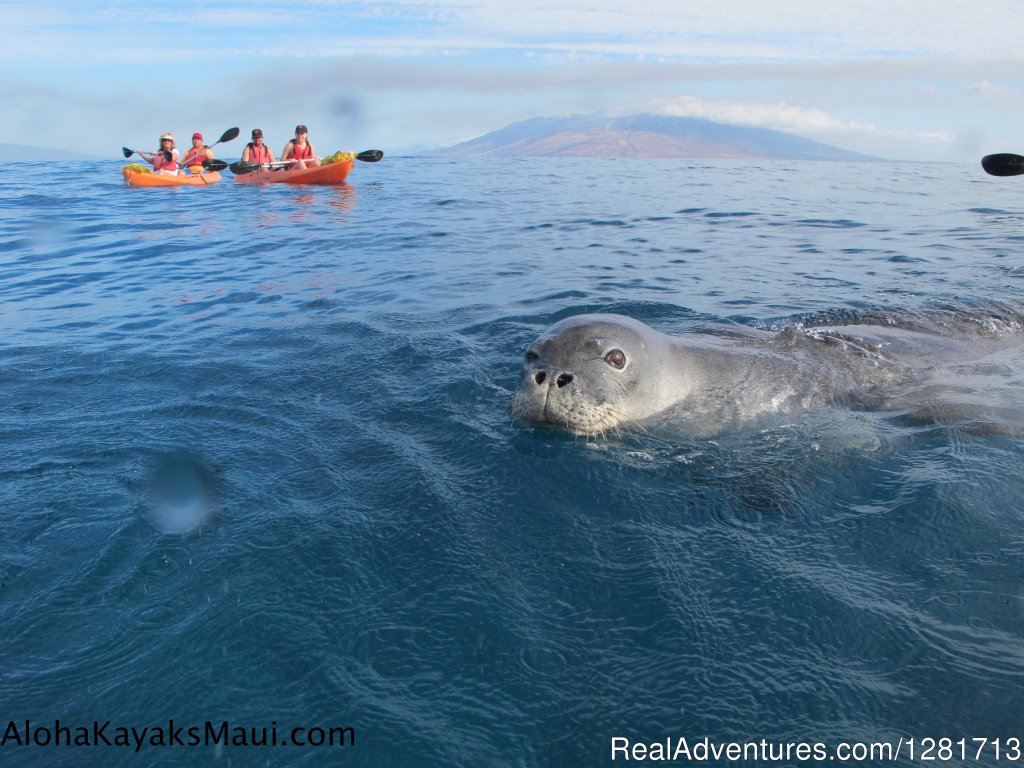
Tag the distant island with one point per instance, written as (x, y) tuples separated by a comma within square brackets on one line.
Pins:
[(642, 136), (15, 153)]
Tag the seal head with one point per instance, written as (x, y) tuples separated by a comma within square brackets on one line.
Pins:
[(591, 373)]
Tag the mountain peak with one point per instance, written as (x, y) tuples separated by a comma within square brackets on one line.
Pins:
[(643, 136)]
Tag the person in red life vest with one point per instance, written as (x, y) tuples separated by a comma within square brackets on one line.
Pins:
[(197, 153), (256, 151), (300, 150), (160, 161)]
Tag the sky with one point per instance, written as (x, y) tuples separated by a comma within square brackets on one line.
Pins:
[(939, 80)]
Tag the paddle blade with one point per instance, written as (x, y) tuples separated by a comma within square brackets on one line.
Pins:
[(370, 156), (214, 165), (167, 155), (1003, 164), (127, 152), (229, 134), (243, 167)]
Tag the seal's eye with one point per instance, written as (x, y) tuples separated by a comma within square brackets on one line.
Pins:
[(531, 356), (616, 359)]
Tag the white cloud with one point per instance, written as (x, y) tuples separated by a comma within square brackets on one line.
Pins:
[(986, 90), (738, 29), (781, 116), (778, 115), (726, 30), (866, 75)]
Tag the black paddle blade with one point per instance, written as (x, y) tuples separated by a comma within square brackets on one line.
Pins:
[(1003, 164), (167, 155), (214, 165), (370, 156), (229, 134), (243, 167), (127, 152)]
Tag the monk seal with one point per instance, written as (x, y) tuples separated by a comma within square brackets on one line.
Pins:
[(599, 372)]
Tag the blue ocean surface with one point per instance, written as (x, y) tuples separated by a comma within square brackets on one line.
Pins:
[(259, 479)]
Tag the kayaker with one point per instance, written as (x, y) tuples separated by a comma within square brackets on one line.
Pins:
[(197, 154), (168, 167), (300, 150), (256, 151)]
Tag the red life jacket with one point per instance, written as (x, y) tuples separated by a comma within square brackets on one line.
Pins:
[(258, 154), (166, 166), (195, 156), (301, 153)]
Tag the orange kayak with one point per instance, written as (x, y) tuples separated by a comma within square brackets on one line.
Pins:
[(332, 173), (135, 178)]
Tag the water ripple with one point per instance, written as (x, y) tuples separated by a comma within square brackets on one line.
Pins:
[(261, 435)]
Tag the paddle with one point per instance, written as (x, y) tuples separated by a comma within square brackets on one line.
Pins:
[(369, 156), (228, 135), (129, 152), (241, 167), (244, 167), (1003, 164), (214, 165)]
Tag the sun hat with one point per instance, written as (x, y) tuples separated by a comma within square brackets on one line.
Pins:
[(167, 136)]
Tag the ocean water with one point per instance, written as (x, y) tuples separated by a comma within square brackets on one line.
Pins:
[(257, 468)]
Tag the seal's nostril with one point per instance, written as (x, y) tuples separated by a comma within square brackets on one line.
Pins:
[(562, 380), (539, 377)]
